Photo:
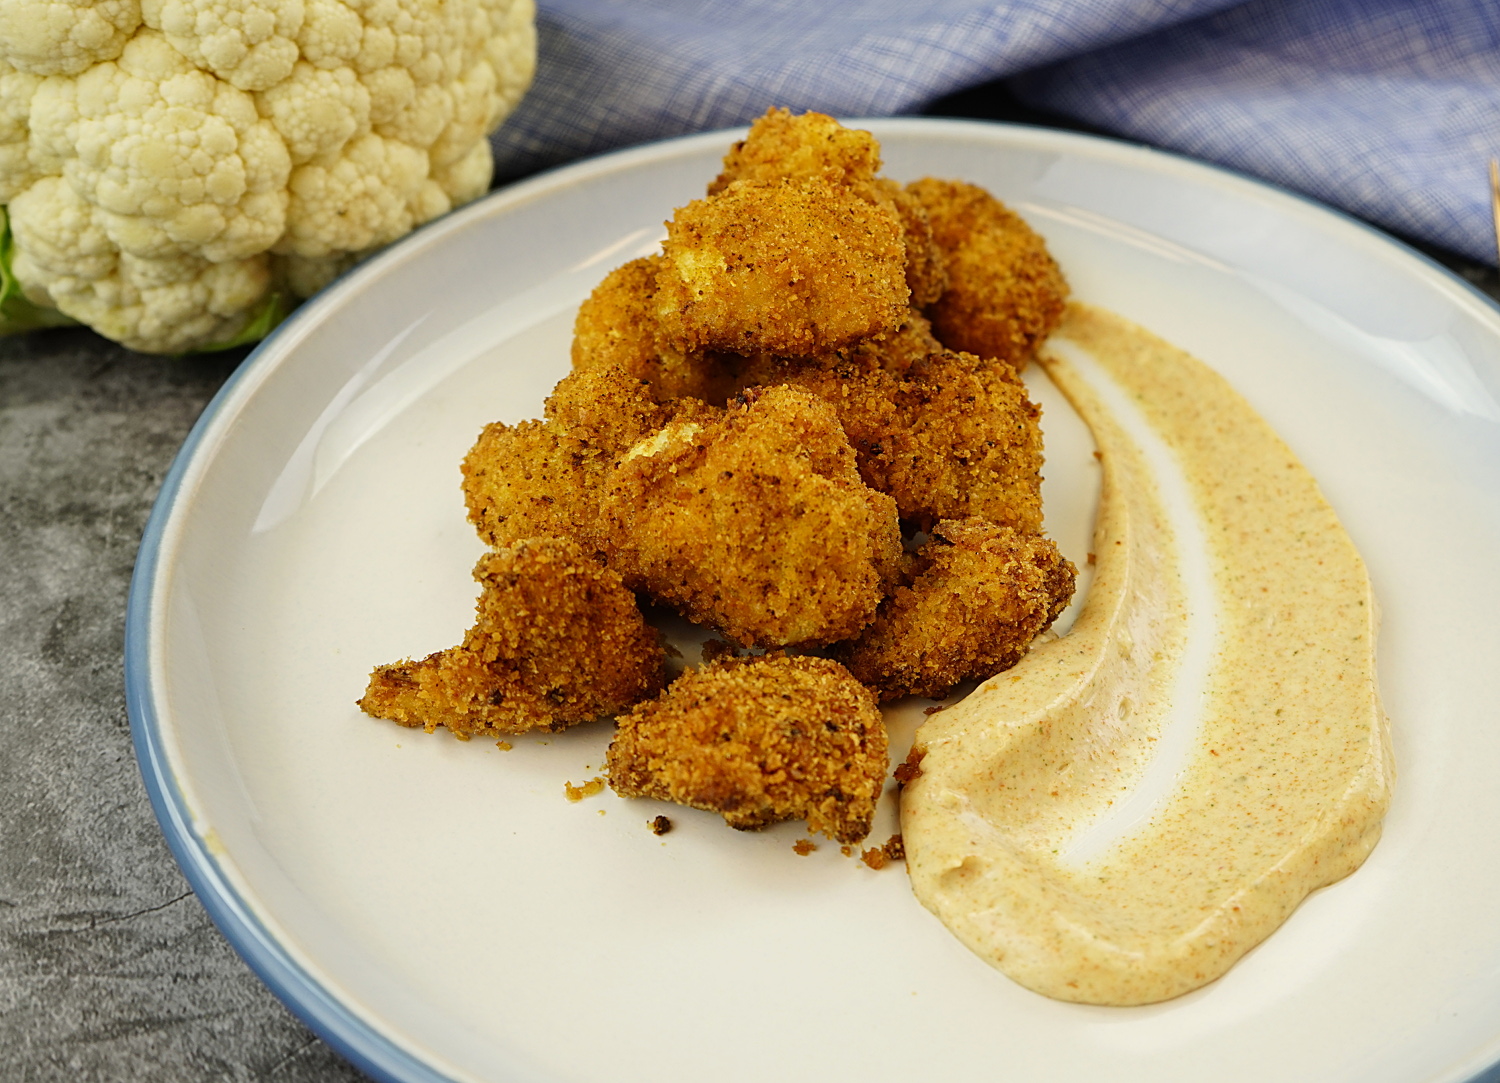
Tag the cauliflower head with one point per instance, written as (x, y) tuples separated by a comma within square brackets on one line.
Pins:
[(176, 172)]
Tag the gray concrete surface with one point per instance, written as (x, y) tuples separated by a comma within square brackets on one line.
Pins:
[(109, 967)]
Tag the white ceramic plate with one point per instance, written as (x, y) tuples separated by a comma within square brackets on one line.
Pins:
[(438, 910)]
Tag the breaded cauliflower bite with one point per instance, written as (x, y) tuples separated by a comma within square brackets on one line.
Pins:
[(788, 268), (973, 601), (814, 146), (951, 437), (617, 326), (759, 740), (1005, 293), (807, 146), (558, 640), (756, 523), (540, 478)]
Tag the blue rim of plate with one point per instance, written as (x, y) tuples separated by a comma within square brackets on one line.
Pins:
[(356, 1038)]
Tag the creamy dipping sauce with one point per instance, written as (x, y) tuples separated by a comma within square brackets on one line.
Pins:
[(1125, 813)]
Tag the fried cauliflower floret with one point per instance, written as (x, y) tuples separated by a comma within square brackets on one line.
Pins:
[(618, 326), (781, 146), (788, 268), (543, 478), (952, 437), (755, 523), (522, 480), (759, 740), (609, 408), (1005, 293), (810, 145), (973, 601), (558, 640)]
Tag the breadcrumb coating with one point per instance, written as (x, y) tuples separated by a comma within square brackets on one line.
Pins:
[(895, 353), (759, 740), (974, 599), (814, 146), (788, 268), (557, 640), (755, 523), (952, 437), (541, 478), (1005, 293), (926, 262), (898, 351), (611, 409), (879, 857), (807, 146), (618, 326)]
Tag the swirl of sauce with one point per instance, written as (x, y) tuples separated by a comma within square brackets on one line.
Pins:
[(1138, 803)]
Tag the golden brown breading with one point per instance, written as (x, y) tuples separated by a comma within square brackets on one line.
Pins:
[(895, 353), (926, 263), (807, 146), (781, 146), (520, 481), (759, 740), (611, 409), (975, 598), (756, 523), (542, 478), (618, 326), (898, 351), (1005, 293), (790, 268), (558, 640), (952, 437)]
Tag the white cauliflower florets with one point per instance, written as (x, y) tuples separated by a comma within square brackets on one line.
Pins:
[(169, 165), (174, 302), (17, 88), (64, 37)]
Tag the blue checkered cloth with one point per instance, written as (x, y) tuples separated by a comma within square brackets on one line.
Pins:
[(1387, 108)]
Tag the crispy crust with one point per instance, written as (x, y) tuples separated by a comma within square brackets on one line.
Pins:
[(810, 145), (814, 146), (544, 478), (524, 480), (1005, 292), (895, 353), (952, 437), (618, 327), (756, 523), (557, 640), (759, 740), (975, 598), (788, 268), (926, 262)]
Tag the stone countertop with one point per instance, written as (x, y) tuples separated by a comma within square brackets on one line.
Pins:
[(109, 967)]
